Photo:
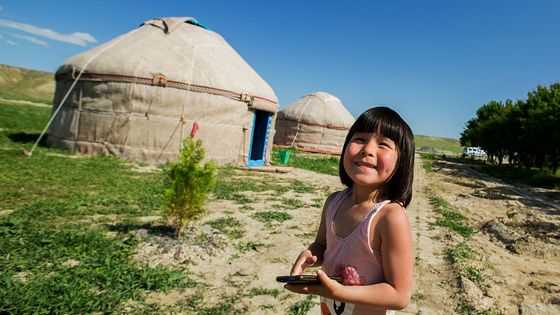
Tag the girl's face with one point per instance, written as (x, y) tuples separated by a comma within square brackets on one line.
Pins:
[(370, 159)]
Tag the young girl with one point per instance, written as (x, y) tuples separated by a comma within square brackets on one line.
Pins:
[(364, 235)]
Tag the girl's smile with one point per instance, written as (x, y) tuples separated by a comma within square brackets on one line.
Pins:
[(365, 164)]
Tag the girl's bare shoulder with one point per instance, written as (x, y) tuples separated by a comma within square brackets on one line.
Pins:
[(393, 215)]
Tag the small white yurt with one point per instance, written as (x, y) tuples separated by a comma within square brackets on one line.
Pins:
[(139, 95), (317, 122)]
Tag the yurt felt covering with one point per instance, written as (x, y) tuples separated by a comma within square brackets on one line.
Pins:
[(138, 95), (317, 122)]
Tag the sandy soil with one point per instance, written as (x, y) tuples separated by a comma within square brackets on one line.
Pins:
[(515, 252), (517, 245)]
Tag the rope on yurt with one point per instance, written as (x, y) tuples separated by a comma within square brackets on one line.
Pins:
[(168, 141), (182, 120), (53, 116), (298, 120), (189, 89), (77, 129), (132, 88)]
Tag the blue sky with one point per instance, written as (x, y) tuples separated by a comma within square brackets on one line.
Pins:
[(435, 62)]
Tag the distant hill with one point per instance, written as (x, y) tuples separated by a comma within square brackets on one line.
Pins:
[(38, 86), (25, 84), (440, 145)]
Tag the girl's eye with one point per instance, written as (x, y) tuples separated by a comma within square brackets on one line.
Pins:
[(359, 139), (387, 145)]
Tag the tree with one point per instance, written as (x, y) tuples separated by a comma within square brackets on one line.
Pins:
[(187, 185), (543, 123), (513, 131), (487, 129)]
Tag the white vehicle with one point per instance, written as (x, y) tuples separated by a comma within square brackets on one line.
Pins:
[(474, 152)]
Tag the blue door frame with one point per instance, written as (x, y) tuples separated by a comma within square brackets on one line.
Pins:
[(259, 138)]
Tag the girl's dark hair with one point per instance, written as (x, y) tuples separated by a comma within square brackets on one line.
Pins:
[(386, 122)]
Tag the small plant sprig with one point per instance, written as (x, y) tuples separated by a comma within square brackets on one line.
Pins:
[(187, 185)]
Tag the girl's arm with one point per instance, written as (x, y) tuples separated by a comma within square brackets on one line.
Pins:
[(397, 257), (313, 255)]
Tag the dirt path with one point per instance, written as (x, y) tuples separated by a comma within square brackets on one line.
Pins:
[(515, 263), (510, 265)]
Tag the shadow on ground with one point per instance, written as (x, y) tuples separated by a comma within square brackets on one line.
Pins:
[(22, 137)]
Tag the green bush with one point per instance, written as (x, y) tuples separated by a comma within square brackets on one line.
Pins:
[(187, 185)]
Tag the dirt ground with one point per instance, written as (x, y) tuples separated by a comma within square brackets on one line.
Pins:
[(513, 266)]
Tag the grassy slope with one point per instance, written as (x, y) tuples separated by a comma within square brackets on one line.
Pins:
[(439, 144), (24, 84)]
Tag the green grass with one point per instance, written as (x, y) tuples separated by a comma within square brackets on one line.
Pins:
[(228, 187), (230, 226), (535, 177), (290, 204), (85, 210), (428, 162), (316, 162), (441, 145), (269, 216), (263, 291), (302, 307), (514, 174), (24, 84), (20, 125), (460, 253), (248, 246), (450, 218), (54, 199), (301, 187), (476, 275)]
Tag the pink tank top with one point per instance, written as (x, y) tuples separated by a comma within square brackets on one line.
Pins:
[(352, 253)]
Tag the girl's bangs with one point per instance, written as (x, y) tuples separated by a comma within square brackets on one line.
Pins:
[(384, 124)]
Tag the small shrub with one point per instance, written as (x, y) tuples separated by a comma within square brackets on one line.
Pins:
[(188, 185)]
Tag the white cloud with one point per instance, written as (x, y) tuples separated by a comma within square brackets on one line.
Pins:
[(32, 39), (12, 43), (80, 39)]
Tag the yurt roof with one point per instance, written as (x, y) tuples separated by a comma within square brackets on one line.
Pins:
[(319, 108), (177, 48)]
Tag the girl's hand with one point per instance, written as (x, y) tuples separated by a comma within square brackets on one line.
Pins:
[(305, 260), (328, 288)]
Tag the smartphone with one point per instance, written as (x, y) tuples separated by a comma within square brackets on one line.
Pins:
[(303, 279)]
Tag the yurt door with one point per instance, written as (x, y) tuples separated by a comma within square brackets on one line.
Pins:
[(259, 138)]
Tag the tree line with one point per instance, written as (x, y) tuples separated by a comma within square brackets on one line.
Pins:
[(527, 131)]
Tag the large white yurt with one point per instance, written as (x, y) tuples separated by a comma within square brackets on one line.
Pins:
[(138, 95), (317, 122)]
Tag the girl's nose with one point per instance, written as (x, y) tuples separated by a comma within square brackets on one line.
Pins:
[(369, 149)]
